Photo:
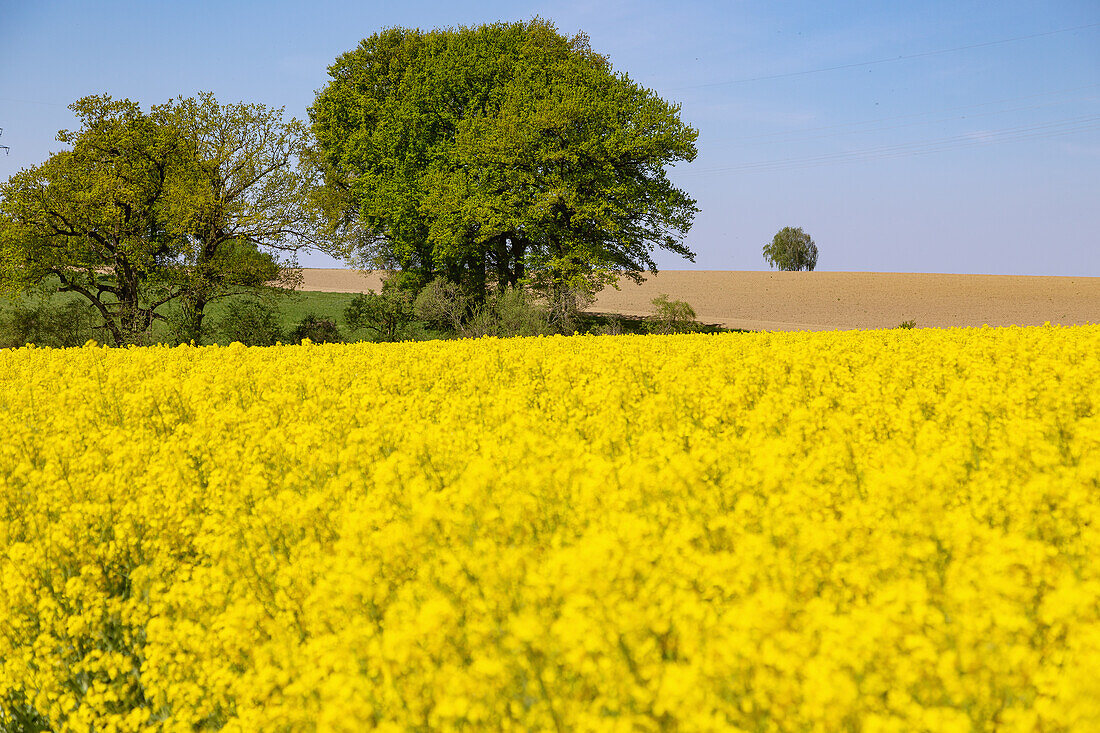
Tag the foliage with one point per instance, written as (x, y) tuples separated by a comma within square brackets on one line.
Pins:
[(17, 715), (770, 531), (565, 303), (498, 156), (317, 329), (299, 304), (442, 305), (611, 326), (35, 319), (388, 314), (509, 313), (250, 321), (791, 249), (96, 216), (247, 203), (671, 316), (189, 202), (907, 324)]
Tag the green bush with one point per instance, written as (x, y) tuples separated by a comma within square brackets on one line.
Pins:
[(565, 304), (316, 329), (36, 320), (671, 316), (906, 324), (252, 322), (388, 314), (508, 313), (442, 305), (611, 326)]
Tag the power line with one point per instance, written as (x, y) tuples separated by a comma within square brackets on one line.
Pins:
[(1057, 128), (925, 146), (877, 120), (794, 138), (892, 59)]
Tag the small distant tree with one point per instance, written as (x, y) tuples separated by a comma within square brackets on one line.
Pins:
[(671, 316), (791, 249)]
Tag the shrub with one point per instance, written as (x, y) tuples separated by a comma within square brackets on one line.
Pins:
[(906, 324), (671, 316), (316, 329), (388, 314), (508, 313), (252, 322), (36, 320), (565, 303), (612, 326), (441, 305)]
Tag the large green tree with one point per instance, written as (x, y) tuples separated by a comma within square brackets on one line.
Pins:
[(96, 217), (188, 202), (246, 206), (500, 155)]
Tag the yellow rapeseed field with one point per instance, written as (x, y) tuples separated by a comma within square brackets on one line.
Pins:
[(875, 531)]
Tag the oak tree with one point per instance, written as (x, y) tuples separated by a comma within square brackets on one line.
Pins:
[(96, 217), (246, 206), (496, 156), (189, 202)]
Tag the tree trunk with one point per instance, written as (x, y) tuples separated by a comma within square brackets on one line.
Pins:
[(194, 312), (518, 252)]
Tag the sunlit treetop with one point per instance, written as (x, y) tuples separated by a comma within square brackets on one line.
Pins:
[(498, 155)]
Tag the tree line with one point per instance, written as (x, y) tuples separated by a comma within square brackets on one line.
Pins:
[(492, 158)]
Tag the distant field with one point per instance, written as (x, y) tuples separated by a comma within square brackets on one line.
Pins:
[(821, 301)]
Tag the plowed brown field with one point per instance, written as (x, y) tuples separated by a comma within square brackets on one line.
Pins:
[(791, 301)]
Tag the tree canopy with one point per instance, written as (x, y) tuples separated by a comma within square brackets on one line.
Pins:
[(499, 155), (190, 201), (247, 208), (791, 249), (97, 216)]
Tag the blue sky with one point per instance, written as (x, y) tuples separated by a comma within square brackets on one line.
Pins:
[(954, 136)]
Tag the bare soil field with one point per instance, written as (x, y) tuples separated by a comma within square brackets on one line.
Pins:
[(823, 301)]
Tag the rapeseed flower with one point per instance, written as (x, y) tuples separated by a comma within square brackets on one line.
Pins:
[(882, 530)]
